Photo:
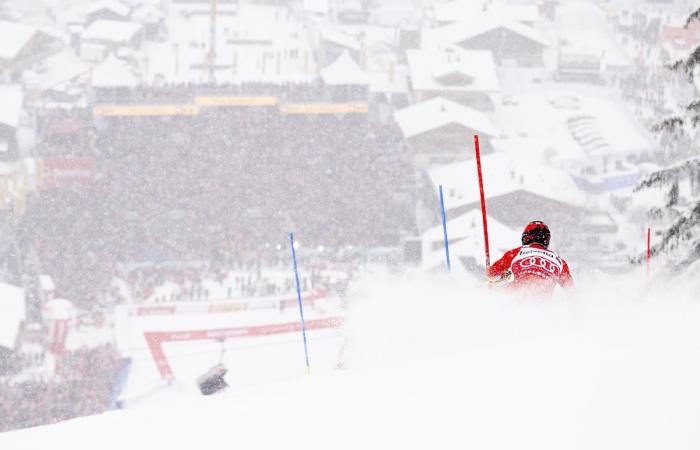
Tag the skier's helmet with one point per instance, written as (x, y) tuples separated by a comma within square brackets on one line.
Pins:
[(536, 233)]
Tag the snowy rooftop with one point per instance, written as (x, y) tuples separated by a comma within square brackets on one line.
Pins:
[(343, 71), (59, 308), (595, 43), (394, 14), (148, 14), (475, 26), (517, 12), (46, 282), (460, 10), (11, 99), (113, 72), (259, 43), (331, 34), (111, 5), (457, 10), (13, 38), (382, 82), (452, 68), (466, 239), (465, 226), (580, 16), (316, 6), (503, 174), (571, 126), (58, 69), (12, 313), (438, 112), (111, 31)]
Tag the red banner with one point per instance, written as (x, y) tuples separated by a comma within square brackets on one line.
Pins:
[(155, 310), (59, 172), (682, 37), (156, 339)]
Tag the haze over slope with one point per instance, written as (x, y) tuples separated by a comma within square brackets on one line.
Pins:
[(436, 364)]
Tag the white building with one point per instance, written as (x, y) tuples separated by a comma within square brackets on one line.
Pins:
[(592, 137), (12, 314), (464, 76), (507, 39), (438, 131), (517, 191), (22, 46), (113, 73), (466, 243), (344, 71), (113, 34), (11, 105)]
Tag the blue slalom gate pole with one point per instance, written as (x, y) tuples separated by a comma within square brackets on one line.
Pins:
[(444, 230), (301, 306)]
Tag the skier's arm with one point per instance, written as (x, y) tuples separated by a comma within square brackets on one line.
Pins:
[(566, 281), (500, 267)]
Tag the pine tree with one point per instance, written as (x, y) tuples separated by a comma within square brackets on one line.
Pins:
[(682, 238)]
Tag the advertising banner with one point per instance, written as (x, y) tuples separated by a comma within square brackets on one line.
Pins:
[(59, 172), (235, 101), (325, 108), (145, 110)]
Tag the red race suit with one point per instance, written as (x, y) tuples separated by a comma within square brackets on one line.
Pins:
[(535, 270)]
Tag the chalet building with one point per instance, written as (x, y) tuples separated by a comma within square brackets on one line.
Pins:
[(508, 40), (464, 76), (22, 47), (438, 131)]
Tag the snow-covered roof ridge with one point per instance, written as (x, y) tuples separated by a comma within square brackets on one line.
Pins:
[(343, 71), (457, 9), (477, 25), (12, 313), (11, 101), (112, 5), (437, 112), (518, 12), (466, 239), (13, 38), (340, 38), (504, 174), (111, 30), (113, 72), (59, 69), (46, 282), (463, 226), (432, 69), (316, 6)]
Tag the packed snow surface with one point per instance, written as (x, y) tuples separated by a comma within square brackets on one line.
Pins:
[(440, 364)]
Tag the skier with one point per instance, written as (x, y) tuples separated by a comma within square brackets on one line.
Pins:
[(532, 269)]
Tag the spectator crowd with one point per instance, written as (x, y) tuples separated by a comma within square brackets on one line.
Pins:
[(82, 385), (217, 187)]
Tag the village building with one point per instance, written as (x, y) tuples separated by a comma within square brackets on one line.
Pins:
[(22, 46), (437, 131), (508, 40), (465, 76), (516, 191)]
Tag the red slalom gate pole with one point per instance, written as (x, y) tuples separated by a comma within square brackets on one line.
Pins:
[(648, 253), (483, 201)]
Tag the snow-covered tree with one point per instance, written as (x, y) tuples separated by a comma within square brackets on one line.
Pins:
[(681, 209)]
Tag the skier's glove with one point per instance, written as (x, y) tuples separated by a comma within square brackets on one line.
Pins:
[(503, 279)]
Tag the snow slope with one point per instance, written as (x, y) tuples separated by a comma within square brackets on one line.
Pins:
[(250, 360), (441, 365)]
